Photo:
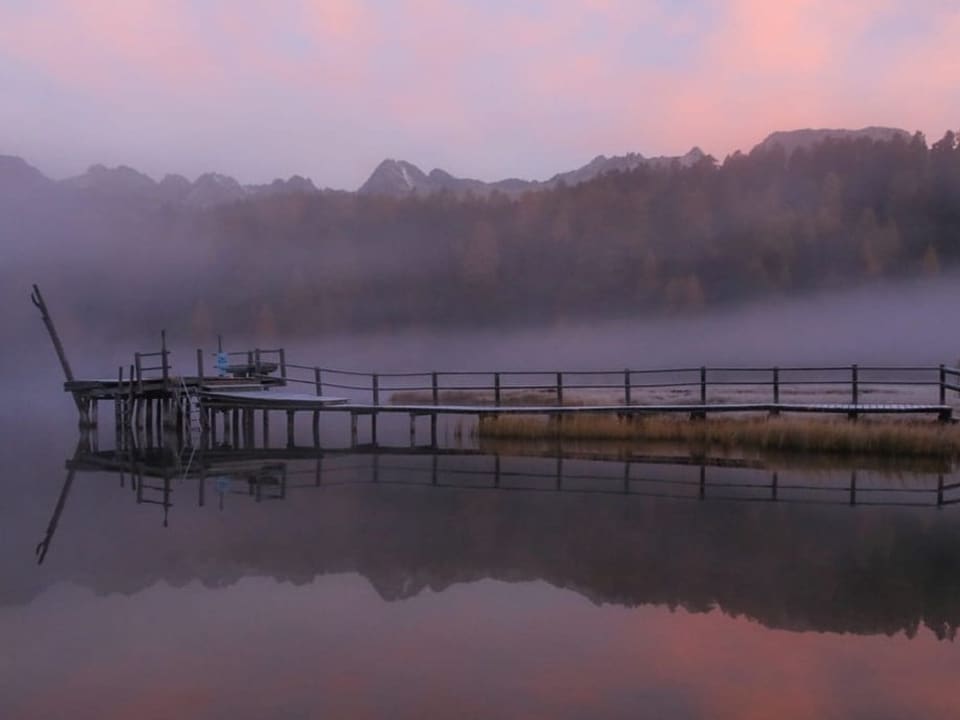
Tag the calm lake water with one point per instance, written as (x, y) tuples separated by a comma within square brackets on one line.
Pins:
[(445, 590), (452, 592)]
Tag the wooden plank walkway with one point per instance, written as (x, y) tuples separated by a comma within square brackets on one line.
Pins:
[(282, 400)]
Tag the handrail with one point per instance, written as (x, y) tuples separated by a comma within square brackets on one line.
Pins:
[(378, 386)]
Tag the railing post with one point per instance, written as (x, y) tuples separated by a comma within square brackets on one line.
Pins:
[(626, 388), (138, 365), (251, 369), (776, 386), (496, 389), (376, 388), (316, 380), (435, 388), (943, 385), (854, 390), (117, 403), (165, 368), (559, 388), (283, 365), (703, 386), (256, 362)]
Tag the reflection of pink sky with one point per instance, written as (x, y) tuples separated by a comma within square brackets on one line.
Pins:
[(487, 89), (489, 649)]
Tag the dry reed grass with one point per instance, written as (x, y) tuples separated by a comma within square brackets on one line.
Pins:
[(879, 438)]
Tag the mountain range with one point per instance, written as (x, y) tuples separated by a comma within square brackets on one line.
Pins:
[(391, 177)]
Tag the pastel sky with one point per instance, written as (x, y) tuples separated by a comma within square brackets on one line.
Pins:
[(483, 88)]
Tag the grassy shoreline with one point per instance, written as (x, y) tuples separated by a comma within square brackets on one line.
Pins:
[(781, 436)]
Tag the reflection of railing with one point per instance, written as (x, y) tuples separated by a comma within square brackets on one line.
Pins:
[(639, 475), (277, 469)]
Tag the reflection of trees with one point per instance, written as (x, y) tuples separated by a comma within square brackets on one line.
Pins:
[(864, 570)]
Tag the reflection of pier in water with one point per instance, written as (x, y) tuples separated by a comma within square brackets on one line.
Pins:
[(408, 520), (155, 474)]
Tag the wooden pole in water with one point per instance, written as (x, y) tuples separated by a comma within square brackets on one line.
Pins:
[(943, 385), (37, 299), (290, 429), (626, 387)]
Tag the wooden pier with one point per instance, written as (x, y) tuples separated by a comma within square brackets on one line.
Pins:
[(210, 404)]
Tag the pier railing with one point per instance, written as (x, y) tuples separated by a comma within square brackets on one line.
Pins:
[(846, 384), (145, 369)]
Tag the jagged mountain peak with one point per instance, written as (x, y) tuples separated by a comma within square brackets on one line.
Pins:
[(395, 177)]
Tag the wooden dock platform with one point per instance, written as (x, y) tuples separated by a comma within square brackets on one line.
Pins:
[(150, 392)]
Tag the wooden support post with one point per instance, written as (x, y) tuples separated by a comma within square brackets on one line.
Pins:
[(139, 364), (317, 381), (283, 365), (433, 430), (373, 428), (943, 385), (776, 386), (496, 389), (211, 424), (256, 364), (291, 439), (413, 430), (627, 390), (316, 428), (703, 386), (375, 388), (140, 411), (435, 387), (265, 427), (236, 427), (559, 388)]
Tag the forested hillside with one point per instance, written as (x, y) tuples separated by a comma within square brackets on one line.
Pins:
[(651, 240)]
